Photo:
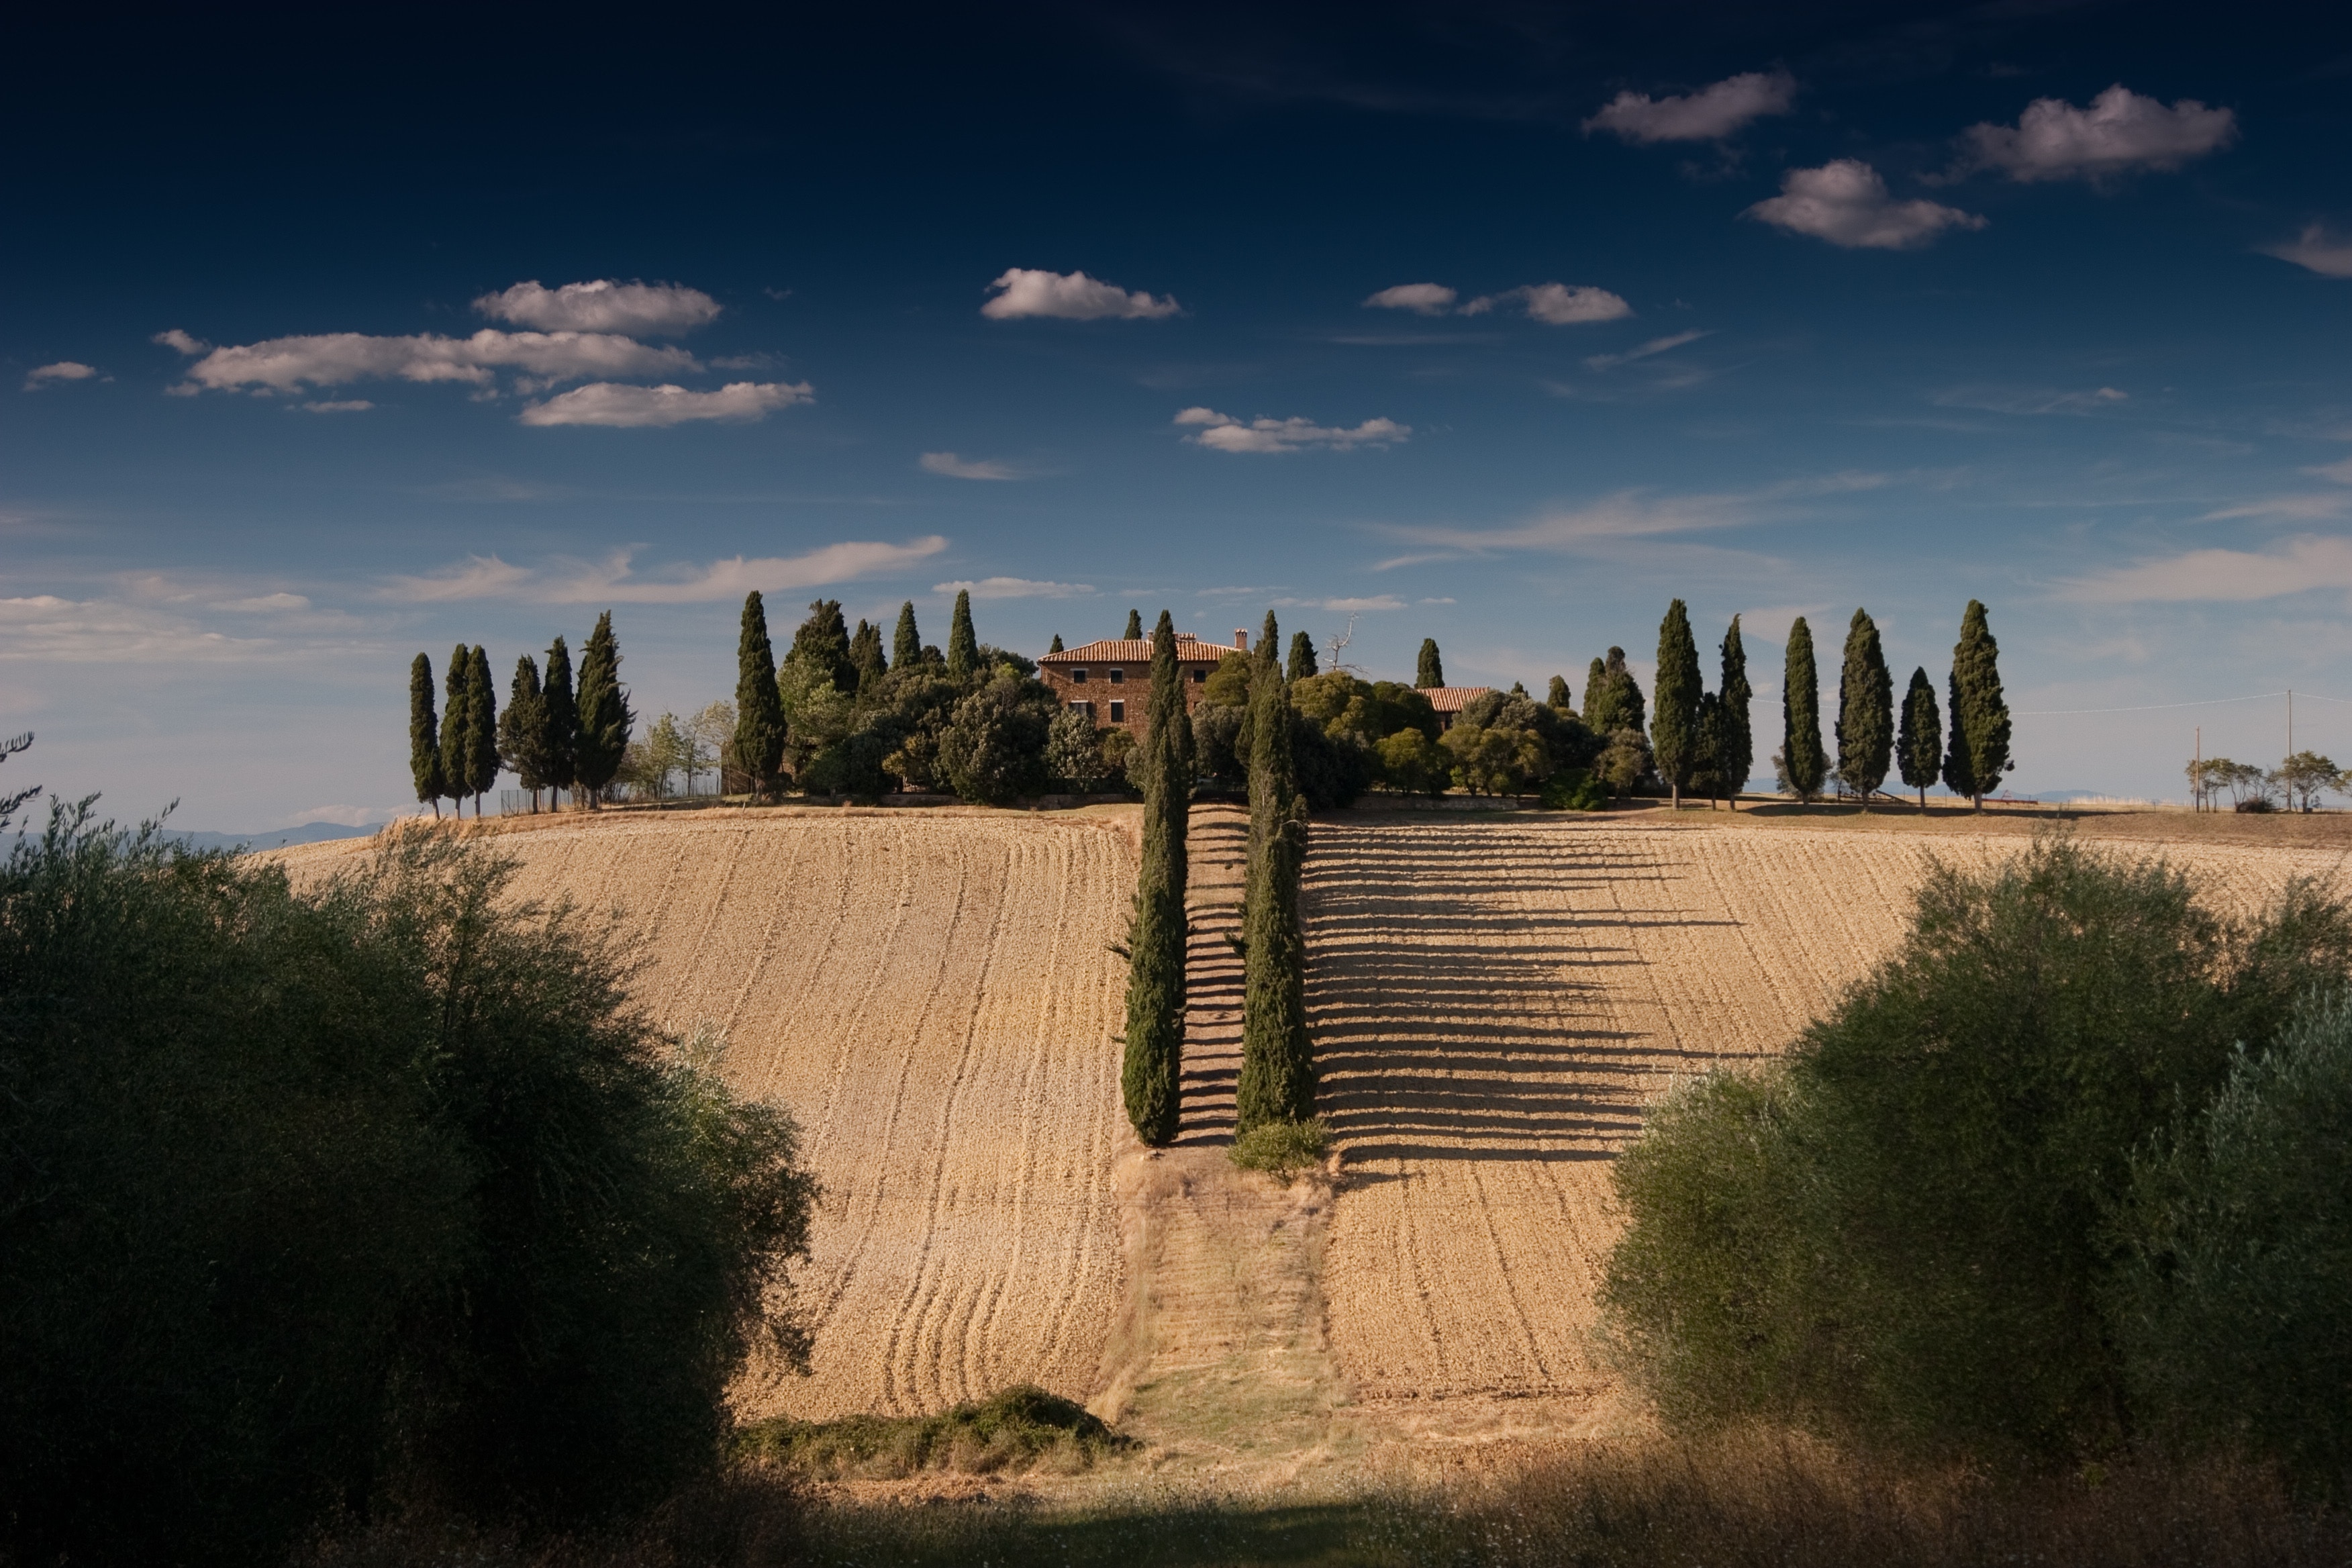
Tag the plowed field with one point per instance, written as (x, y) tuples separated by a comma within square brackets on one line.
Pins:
[(931, 995), (1493, 1002)]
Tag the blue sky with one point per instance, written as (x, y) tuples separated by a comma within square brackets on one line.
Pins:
[(1502, 326)]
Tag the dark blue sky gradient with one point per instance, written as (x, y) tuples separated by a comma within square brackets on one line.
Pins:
[(1901, 429)]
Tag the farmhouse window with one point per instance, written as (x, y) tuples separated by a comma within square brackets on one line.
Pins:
[(1085, 707), (1078, 678), (1199, 676), (1118, 712), (1117, 676)]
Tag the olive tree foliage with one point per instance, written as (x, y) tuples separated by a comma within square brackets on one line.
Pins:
[(2236, 1291), (2306, 776), (325, 1198), (992, 751), (1074, 754), (1911, 1232)]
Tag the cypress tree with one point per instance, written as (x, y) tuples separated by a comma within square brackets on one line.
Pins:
[(1302, 663), (561, 713), (604, 716), (759, 726), (1979, 713), (522, 729), (821, 644), (1735, 756), (1865, 721), (1921, 745), (1596, 682), (1150, 1072), (906, 643), (481, 728), (963, 647), (1431, 674), (1801, 715), (1674, 722), (1278, 1076), (455, 768), (1706, 764), (866, 654), (424, 737), (1613, 699), (1056, 644), (1134, 632), (1557, 697)]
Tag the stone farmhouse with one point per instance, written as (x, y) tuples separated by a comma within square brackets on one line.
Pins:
[(1109, 679)]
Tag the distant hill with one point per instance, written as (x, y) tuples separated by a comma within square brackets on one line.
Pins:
[(276, 838)]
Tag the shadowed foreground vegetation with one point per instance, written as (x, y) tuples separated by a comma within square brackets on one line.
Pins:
[(1021, 1428)]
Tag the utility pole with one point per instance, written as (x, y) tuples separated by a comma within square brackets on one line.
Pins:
[(2196, 778)]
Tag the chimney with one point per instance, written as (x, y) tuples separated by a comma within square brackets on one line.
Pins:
[(1241, 639)]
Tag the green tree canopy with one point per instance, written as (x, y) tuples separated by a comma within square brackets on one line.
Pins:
[(905, 643), (1735, 748), (454, 765), (1429, 673), (1919, 748), (1134, 632), (1302, 663), (1802, 757), (963, 644), (1674, 722), (424, 736), (482, 727), (1865, 721), (1277, 1073), (866, 654), (561, 711), (1152, 1070), (1979, 748), (1556, 695), (604, 716), (759, 725), (822, 645), (522, 729)]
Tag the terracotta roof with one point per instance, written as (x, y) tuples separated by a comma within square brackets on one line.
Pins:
[(1454, 698), (1137, 650)]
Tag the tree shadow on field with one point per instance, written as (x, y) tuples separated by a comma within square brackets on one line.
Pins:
[(1450, 1024)]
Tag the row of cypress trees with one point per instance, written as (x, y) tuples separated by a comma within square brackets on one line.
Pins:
[(1156, 945), (1278, 1076), (1873, 738), (550, 736)]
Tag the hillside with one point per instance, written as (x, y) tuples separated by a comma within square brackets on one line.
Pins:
[(1494, 998)]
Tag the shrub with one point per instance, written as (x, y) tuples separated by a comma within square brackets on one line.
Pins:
[(2236, 1306), (1017, 1429), (1283, 1149), (319, 1198), (1574, 790), (994, 751), (1908, 1232), (1412, 764)]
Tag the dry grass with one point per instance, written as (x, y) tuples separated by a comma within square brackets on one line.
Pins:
[(930, 994)]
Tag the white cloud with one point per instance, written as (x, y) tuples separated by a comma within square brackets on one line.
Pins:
[(173, 338), (1845, 202), (2341, 472), (2118, 132), (613, 581), (1224, 433), (607, 305), (1556, 304), (955, 468), (1347, 607), (612, 403), (46, 628), (1707, 115), (2031, 400), (1422, 298), (333, 359), (2316, 249), (2291, 508), (2236, 576), (1655, 346), (1013, 588), (1628, 515), (1071, 296), (267, 604), (63, 370), (340, 405)]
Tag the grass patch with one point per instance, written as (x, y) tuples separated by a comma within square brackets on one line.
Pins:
[(1283, 1149), (1021, 1428), (1575, 790)]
